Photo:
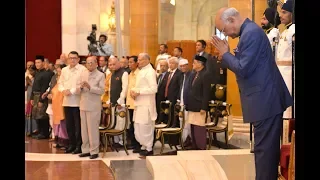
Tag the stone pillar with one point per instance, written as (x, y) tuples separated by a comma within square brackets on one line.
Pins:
[(144, 27), (88, 13), (69, 25)]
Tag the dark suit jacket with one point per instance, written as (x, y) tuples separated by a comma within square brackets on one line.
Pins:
[(174, 86), (263, 91), (199, 94), (212, 67), (102, 70), (185, 90)]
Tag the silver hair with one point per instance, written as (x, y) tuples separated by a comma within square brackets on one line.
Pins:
[(113, 57), (163, 60), (230, 12), (145, 56), (176, 60)]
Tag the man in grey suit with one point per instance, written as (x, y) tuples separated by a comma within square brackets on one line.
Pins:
[(91, 88), (263, 92)]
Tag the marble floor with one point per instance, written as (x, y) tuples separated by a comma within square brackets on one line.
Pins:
[(43, 161)]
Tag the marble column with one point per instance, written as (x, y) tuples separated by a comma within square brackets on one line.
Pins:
[(69, 25), (144, 27), (77, 19)]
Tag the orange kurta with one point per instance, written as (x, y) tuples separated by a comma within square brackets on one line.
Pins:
[(106, 96), (57, 108)]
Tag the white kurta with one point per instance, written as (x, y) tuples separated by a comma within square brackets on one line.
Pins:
[(145, 112), (274, 33), (284, 61)]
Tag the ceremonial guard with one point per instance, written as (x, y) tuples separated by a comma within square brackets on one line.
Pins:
[(284, 49)]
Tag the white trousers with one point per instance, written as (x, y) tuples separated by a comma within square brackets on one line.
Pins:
[(119, 125), (50, 113), (144, 134), (187, 127), (90, 121), (286, 72)]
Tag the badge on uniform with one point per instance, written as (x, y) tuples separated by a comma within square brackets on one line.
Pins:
[(221, 71), (117, 78)]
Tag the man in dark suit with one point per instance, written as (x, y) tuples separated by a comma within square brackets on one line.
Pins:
[(211, 64), (163, 64), (263, 92), (197, 102), (103, 64)]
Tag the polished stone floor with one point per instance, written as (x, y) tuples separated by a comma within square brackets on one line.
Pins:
[(71, 170), (43, 161)]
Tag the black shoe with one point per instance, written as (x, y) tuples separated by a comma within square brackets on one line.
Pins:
[(146, 153), (94, 156), (77, 151), (40, 136), (84, 155), (136, 150), (69, 150)]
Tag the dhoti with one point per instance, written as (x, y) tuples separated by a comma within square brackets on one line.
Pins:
[(143, 127), (187, 127), (286, 72)]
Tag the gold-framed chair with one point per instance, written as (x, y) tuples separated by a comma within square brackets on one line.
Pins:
[(114, 132), (292, 159), (105, 122), (165, 111), (179, 111), (221, 110)]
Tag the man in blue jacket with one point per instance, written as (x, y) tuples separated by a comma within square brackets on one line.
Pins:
[(263, 92)]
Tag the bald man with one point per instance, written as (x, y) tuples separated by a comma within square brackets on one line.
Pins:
[(118, 93), (263, 92), (91, 88)]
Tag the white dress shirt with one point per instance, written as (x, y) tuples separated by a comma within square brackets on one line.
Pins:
[(70, 79)]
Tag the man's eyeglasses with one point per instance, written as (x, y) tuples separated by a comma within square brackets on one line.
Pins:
[(73, 58)]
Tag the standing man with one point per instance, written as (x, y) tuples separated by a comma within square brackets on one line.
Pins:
[(118, 93), (145, 112), (68, 83), (183, 92), (133, 65), (197, 104), (269, 23), (91, 87), (264, 95), (211, 63), (284, 49), (163, 54), (40, 85), (103, 64), (104, 48)]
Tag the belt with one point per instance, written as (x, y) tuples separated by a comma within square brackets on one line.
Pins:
[(284, 63), (36, 92)]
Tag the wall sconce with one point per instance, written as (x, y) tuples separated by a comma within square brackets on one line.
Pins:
[(112, 18)]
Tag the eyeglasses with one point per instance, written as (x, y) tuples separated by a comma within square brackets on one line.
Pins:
[(73, 58)]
